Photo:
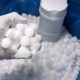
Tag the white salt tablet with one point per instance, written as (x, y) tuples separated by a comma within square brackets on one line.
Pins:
[(25, 41), (15, 45), (68, 36), (12, 50), (18, 35), (65, 40), (34, 17), (74, 40), (23, 52), (29, 16), (24, 15), (21, 27), (34, 26), (29, 32), (38, 37), (33, 52), (10, 33), (6, 43), (33, 41), (36, 47)]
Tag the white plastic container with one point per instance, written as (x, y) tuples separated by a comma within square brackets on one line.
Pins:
[(52, 14), (49, 37)]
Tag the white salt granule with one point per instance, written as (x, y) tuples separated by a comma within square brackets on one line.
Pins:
[(29, 16), (33, 41), (14, 34), (29, 32), (34, 19), (11, 51), (18, 35), (36, 47), (13, 48), (24, 15), (66, 40), (25, 41), (29, 20), (16, 44), (10, 33), (23, 52), (38, 37), (6, 43), (74, 40), (33, 52), (21, 27), (34, 26)]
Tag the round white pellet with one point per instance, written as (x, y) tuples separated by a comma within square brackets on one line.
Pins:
[(23, 52), (25, 41), (36, 47), (38, 37), (74, 40), (33, 41), (24, 15), (29, 32), (18, 35), (34, 26), (21, 27), (5, 43), (66, 40), (30, 16), (10, 33), (34, 17), (33, 52), (12, 50), (68, 36), (16, 44)]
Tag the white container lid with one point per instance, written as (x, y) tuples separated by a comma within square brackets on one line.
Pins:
[(54, 5)]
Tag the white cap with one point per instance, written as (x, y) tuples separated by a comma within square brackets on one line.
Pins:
[(54, 5)]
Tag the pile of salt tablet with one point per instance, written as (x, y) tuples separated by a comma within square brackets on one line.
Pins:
[(22, 41)]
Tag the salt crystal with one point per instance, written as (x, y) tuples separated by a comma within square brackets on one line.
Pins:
[(18, 35), (29, 16), (36, 47), (6, 43), (33, 41), (34, 26), (25, 41), (74, 39), (29, 32), (66, 40), (10, 33), (38, 37), (21, 27), (23, 52), (33, 52), (12, 50), (24, 15)]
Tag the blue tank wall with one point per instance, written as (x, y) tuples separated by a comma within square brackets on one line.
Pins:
[(20, 6), (72, 20)]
